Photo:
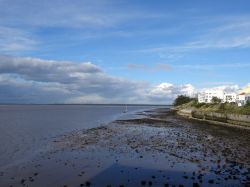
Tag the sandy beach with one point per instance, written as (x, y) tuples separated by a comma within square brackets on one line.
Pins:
[(150, 148)]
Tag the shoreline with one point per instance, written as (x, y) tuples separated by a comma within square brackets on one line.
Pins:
[(149, 148)]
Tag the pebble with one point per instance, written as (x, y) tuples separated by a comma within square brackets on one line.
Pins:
[(143, 183), (87, 183), (195, 184), (211, 181)]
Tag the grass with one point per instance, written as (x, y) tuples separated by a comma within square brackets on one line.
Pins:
[(230, 108), (184, 102)]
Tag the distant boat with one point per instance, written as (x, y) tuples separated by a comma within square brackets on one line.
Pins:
[(126, 109)]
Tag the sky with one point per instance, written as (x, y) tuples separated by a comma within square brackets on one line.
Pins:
[(121, 51)]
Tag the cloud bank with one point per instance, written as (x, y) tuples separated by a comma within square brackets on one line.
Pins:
[(33, 80)]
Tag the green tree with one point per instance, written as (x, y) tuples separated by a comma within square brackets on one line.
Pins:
[(182, 99), (216, 100)]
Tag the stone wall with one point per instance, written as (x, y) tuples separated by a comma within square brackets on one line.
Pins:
[(216, 118)]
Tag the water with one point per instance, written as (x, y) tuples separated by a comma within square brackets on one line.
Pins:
[(27, 129)]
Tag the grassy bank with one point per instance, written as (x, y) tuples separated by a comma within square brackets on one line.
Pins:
[(228, 108)]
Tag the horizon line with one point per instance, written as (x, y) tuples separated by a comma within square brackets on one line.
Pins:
[(120, 104)]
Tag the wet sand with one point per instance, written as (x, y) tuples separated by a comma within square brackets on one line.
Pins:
[(152, 148)]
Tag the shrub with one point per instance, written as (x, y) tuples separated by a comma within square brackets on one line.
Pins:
[(246, 108), (248, 103), (198, 105), (222, 106)]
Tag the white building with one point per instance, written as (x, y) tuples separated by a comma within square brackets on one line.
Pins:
[(207, 96), (242, 99), (229, 97)]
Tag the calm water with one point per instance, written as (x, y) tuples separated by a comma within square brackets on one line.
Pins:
[(26, 129)]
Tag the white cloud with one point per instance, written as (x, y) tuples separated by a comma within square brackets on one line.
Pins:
[(206, 66), (225, 88), (154, 68), (46, 70), (26, 26), (13, 40), (230, 33), (33, 80), (170, 91), (64, 13)]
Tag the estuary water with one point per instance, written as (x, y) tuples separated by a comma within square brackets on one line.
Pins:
[(25, 130)]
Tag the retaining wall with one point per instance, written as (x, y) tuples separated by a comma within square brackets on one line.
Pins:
[(231, 119)]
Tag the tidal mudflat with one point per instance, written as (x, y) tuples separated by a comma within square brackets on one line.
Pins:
[(151, 148)]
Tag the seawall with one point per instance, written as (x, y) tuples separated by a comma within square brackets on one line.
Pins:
[(235, 120)]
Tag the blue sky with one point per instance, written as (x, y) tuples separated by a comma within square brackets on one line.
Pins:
[(201, 43)]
